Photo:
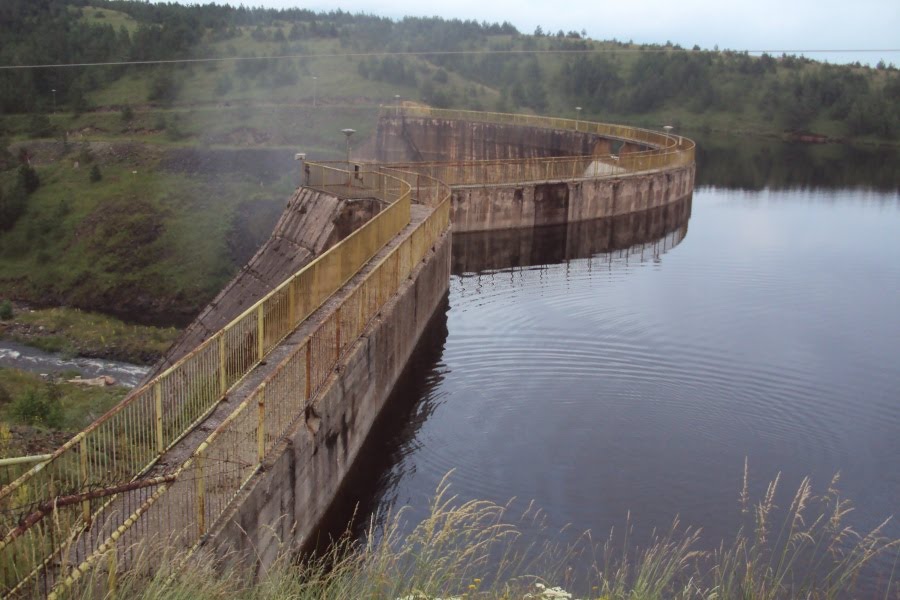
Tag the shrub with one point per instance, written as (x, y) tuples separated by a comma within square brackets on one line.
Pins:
[(39, 407), (6, 310), (39, 126), (96, 175), (127, 113), (12, 205), (28, 179)]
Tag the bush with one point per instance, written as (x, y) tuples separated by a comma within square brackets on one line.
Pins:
[(39, 407), (96, 175), (12, 205), (126, 113), (6, 310), (39, 126), (28, 179)]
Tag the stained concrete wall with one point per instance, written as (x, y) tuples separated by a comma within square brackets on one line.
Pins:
[(512, 248), (402, 139), (484, 208), (284, 503)]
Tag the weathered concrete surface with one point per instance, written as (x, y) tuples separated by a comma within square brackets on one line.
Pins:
[(484, 208), (311, 223), (403, 139), (284, 503), (490, 250)]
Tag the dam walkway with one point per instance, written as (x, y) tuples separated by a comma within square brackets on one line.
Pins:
[(260, 421)]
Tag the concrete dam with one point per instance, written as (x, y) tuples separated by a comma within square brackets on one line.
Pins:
[(239, 440)]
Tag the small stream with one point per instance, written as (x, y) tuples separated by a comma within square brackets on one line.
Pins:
[(26, 358)]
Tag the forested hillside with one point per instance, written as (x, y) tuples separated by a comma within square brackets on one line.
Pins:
[(112, 176)]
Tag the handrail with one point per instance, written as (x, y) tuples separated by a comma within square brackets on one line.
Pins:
[(127, 440), (233, 453)]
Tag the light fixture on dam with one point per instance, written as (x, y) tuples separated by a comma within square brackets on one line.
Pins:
[(668, 129), (300, 156), (348, 132)]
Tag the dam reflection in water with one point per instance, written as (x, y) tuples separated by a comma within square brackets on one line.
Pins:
[(479, 260), (624, 365)]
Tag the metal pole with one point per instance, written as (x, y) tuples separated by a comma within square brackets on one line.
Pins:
[(668, 129), (315, 86), (577, 116), (347, 133)]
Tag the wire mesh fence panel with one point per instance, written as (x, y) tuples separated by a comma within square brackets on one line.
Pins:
[(276, 317), (241, 347)]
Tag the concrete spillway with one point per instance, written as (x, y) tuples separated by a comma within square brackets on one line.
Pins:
[(312, 222)]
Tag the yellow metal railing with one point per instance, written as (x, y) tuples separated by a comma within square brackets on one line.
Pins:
[(180, 512), (127, 440), (664, 151)]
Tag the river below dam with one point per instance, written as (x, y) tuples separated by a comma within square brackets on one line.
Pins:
[(19, 356), (630, 368)]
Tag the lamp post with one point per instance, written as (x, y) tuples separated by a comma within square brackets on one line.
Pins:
[(397, 99), (300, 157), (315, 85), (577, 116), (668, 129), (347, 133)]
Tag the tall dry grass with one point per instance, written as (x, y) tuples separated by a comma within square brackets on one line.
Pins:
[(474, 549)]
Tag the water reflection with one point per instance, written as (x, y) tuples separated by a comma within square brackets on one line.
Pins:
[(754, 163), (644, 234), (387, 459)]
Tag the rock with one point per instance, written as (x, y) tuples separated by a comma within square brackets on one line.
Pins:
[(102, 381)]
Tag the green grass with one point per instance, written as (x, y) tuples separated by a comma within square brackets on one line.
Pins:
[(81, 333), (122, 244), (104, 16), (476, 550), (78, 406)]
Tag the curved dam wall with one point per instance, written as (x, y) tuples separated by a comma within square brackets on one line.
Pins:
[(550, 201), (414, 139)]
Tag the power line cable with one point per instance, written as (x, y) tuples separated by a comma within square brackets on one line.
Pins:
[(427, 53)]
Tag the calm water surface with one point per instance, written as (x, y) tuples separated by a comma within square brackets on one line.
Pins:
[(598, 380)]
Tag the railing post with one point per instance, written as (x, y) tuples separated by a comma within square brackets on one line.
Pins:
[(260, 332), (201, 492), (292, 303), (157, 394), (223, 375), (261, 424), (337, 334), (85, 504), (308, 368)]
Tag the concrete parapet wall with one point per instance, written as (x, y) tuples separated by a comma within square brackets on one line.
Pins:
[(486, 208), (283, 504), (417, 139)]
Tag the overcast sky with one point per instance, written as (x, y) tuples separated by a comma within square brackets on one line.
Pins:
[(735, 24)]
